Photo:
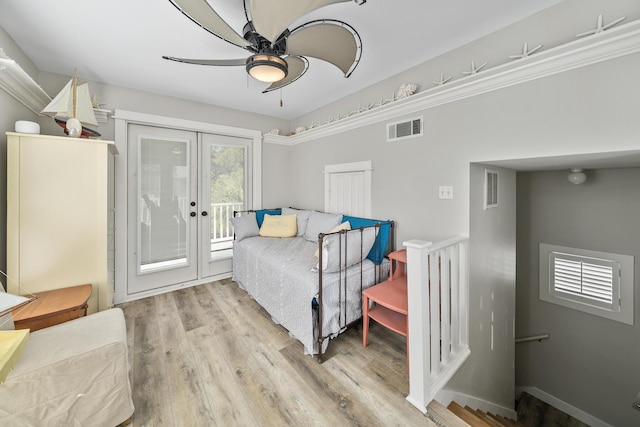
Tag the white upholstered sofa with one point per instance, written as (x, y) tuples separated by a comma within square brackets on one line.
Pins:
[(72, 374)]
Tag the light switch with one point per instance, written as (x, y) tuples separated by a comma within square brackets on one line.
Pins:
[(445, 192)]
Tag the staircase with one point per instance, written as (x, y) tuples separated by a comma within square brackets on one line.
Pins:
[(455, 415), (531, 412)]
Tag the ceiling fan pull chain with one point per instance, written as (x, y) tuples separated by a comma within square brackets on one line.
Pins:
[(280, 97)]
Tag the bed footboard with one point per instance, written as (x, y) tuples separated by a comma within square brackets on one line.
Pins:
[(346, 250)]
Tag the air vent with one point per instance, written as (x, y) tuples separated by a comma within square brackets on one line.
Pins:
[(403, 130), (490, 189)]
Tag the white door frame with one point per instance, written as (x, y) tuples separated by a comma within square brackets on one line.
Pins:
[(122, 119), (364, 166)]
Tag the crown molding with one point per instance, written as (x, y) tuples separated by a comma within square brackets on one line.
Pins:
[(610, 44), (17, 83)]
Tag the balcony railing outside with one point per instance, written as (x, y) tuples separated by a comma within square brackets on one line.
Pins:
[(221, 214)]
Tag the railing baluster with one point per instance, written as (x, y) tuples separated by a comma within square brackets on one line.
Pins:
[(434, 311), (445, 303), (455, 299), (438, 315), (221, 214)]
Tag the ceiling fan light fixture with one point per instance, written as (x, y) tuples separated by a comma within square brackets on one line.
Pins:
[(266, 67)]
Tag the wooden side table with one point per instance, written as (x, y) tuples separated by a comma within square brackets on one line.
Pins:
[(390, 298), (53, 307)]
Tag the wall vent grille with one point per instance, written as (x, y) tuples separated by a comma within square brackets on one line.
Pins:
[(406, 129)]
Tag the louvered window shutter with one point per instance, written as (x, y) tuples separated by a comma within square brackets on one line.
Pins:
[(589, 280)]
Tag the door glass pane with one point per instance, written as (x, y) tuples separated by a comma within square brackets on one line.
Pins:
[(163, 185), (228, 184)]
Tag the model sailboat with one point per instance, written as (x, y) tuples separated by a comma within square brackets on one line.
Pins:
[(72, 109)]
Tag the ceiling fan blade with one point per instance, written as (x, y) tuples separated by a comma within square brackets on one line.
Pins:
[(271, 17), (220, 62), (297, 65), (202, 14), (332, 41)]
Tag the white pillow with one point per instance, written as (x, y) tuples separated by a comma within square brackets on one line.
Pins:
[(245, 226), (333, 249), (320, 223), (344, 226), (302, 219)]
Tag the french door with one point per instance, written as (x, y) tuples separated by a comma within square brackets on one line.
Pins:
[(182, 190)]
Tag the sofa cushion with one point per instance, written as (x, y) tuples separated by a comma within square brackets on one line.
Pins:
[(278, 226), (302, 219), (245, 226), (320, 223), (344, 249)]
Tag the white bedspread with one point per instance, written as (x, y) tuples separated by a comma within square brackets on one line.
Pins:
[(280, 275)]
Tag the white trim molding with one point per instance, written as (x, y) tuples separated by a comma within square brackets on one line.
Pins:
[(565, 407), (613, 43), (122, 119), (17, 83)]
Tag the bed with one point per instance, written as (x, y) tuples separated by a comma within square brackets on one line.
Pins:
[(310, 278)]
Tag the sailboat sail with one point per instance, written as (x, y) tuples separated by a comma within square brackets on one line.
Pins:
[(62, 105)]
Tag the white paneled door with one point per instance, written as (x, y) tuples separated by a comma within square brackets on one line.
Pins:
[(182, 190), (348, 189), (163, 211)]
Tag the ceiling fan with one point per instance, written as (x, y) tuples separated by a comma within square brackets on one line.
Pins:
[(279, 55)]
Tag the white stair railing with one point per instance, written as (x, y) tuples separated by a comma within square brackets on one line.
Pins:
[(438, 294)]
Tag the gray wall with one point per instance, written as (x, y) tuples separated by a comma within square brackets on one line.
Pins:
[(593, 109), (117, 97), (589, 362), (275, 169), (492, 241), (276, 176), (10, 112), (588, 110), (551, 27)]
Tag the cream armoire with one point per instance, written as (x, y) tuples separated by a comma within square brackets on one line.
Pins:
[(59, 225)]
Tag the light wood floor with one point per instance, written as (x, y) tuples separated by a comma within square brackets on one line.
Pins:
[(211, 356)]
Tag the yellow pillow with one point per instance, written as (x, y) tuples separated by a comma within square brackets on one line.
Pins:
[(279, 226), (344, 226)]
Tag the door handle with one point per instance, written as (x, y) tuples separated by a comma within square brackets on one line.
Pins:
[(193, 214), (205, 213), (193, 203)]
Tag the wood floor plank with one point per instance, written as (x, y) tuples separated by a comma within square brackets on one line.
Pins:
[(129, 319), (232, 297), (228, 402), (260, 392), (189, 309), (183, 380), (322, 382), (226, 363), (212, 313), (149, 387), (301, 408), (374, 391)]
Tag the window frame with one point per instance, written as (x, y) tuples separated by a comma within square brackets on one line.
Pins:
[(620, 308)]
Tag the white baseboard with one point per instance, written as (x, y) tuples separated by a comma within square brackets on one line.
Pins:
[(568, 409), (445, 397)]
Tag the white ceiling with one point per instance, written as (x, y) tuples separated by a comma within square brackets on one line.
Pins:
[(121, 42)]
